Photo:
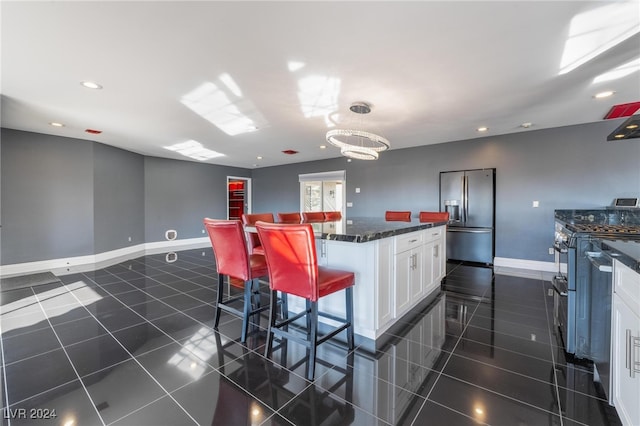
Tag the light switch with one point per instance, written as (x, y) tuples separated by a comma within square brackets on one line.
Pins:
[(349, 204), (536, 203), (357, 190)]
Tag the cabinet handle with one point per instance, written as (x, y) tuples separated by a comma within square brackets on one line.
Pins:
[(323, 248), (413, 241), (435, 234)]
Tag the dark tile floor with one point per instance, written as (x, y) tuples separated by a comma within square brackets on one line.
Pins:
[(132, 344)]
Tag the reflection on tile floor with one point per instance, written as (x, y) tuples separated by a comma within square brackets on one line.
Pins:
[(133, 344)]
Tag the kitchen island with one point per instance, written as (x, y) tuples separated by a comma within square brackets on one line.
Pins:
[(397, 266)]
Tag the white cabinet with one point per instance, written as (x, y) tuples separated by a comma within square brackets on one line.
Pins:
[(625, 336), (434, 258), (384, 289), (408, 261), (392, 275)]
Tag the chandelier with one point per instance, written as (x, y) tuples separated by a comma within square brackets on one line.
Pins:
[(355, 142)]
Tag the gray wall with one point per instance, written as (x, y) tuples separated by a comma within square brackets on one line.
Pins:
[(63, 197), (47, 197), (568, 167), (179, 194), (118, 198)]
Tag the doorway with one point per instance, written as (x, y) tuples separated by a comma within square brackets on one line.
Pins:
[(238, 197), (323, 192)]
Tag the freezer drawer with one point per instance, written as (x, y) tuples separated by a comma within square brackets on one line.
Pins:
[(470, 244)]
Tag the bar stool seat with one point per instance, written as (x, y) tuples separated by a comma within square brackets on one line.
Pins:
[(243, 270), (293, 269)]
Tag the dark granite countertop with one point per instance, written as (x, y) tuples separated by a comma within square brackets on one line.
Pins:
[(627, 252), (364, 229)]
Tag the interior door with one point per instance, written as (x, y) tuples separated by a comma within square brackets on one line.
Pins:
[(238, 197)]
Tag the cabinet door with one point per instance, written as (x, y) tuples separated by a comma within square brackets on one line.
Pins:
[(626, 384), (429, 267), (384, 282), (404, 269)]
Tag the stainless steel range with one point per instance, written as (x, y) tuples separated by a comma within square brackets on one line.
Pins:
[(582, 302)]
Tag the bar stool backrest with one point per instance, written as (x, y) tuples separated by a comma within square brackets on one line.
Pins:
[(312, 217), (251, 219), (402, 216), (292, 262), (434, 216), (293, 217), (331, 216), (229, 247)]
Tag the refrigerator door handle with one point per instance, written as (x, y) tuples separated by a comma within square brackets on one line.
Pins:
[(466, 198), (470, 230), (463, 199)]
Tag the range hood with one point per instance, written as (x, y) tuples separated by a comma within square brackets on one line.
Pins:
[(629, 129)]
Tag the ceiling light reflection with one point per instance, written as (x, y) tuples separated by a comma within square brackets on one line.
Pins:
[(619, 72), (318, 95), (214, 105), (294, 66), (231, 85), (595, 31), (194, 149)]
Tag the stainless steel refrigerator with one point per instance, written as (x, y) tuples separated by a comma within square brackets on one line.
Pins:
[(469, 197)]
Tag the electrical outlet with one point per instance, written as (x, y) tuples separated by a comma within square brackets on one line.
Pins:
[(129, 239), (551, 251), (349, 204), (536, 203), (203, 231), (357, 190)]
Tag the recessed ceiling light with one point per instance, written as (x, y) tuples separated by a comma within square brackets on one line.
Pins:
[(604, 94), (526, 125), (56, 124), (259, 157), (482, 129), (323, 146), (91, 85)]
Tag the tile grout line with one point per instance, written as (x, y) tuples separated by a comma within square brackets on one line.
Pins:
[(67, 355), (4, 374), (119, 343)]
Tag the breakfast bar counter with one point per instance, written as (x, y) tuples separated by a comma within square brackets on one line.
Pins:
[(397, 265)]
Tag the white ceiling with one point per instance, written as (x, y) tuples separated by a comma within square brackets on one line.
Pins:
[(433, 71)]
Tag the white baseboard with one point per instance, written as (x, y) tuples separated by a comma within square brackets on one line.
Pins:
[(71, 265)]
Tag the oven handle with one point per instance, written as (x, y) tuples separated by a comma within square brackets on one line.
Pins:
[(601, 262)]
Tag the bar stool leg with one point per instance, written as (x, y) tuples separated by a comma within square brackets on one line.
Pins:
[(349, 309), (273, 306), (313, 339), (248, 291), (219, 300)]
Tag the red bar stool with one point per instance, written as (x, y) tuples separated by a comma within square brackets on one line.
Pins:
[(233, 260), (397, 216), (312, 217), (289, 217), (332, 216), (250, 219), (293, 269), (434, 216)]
